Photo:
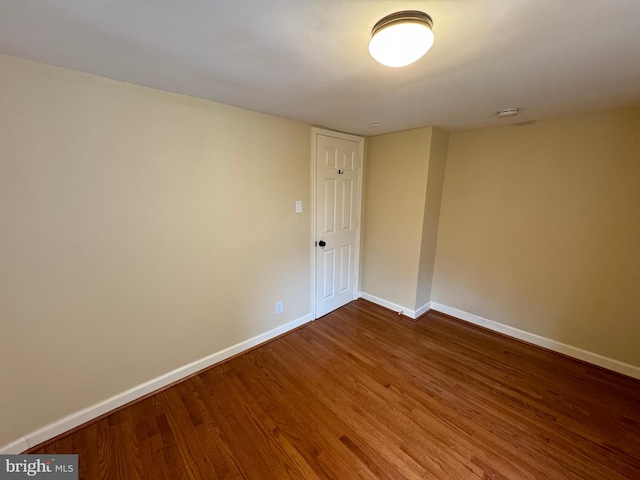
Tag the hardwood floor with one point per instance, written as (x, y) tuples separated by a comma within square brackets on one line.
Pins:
[(364, 393)]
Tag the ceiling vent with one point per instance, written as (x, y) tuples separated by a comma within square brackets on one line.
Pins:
[(508, 112)]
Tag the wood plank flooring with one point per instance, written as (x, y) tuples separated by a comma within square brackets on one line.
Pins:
[(364, 393)]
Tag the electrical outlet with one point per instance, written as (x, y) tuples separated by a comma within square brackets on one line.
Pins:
[(279, 307)]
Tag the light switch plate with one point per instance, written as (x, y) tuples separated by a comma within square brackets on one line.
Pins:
[(298, 206)]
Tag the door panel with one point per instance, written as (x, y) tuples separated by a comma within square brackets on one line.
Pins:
[(329, 267), (345, 268), (329, 207), (337, 188), (347, 205)]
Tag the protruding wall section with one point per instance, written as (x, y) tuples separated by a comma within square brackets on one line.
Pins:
[(435, 181), (403, 187)]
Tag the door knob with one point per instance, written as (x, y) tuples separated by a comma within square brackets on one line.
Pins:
[(322, 243)]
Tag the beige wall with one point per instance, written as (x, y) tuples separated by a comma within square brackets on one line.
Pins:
[(403, 185), (139, 231), (540, 229)]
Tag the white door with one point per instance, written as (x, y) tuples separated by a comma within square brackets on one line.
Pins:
[(338, 178)]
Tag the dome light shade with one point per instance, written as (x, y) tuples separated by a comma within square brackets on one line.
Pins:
[(401, 38)]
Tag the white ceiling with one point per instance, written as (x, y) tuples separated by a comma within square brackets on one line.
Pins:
[(307, 59)]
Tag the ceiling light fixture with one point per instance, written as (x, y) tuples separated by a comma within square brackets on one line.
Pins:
[(401, 38)]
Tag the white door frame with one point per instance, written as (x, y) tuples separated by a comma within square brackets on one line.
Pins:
[(315, 131)]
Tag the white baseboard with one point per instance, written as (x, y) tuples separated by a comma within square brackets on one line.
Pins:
[(390, 305), (407, 312), (423, 309), (82, 416), (590, 357), (13, 448)]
